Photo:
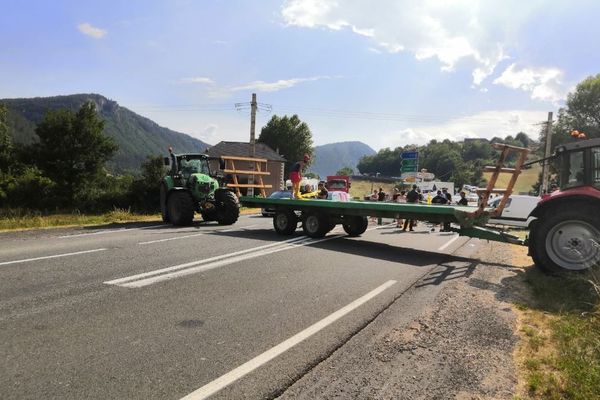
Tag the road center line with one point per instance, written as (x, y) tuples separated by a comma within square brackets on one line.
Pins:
[(217, 264), (244, 369), (448, 243), (53, 256), (194, 235), (199, 262), (108, 231)]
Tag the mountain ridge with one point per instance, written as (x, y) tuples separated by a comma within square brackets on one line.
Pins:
[(136, 135), (331, 157)]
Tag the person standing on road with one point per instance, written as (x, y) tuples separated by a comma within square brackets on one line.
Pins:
[(411, 197), (296, 176)]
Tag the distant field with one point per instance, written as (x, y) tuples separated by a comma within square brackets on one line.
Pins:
[(361, 188), (525, 182)]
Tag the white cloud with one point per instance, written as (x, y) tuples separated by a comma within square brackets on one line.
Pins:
[(486, 124), (88, 29), (543, 83), (262, 86), (199, 79), (475, 32)]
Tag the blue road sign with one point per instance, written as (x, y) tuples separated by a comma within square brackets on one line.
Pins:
[(408, 155)]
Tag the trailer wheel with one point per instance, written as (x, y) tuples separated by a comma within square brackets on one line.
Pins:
[(315, 225), (566, 241), (355, 225), (285, 222)]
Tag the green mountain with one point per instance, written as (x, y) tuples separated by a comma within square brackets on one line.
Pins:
[(136, 136), (332, 157)]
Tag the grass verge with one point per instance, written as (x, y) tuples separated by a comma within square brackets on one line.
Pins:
[(17, 219), (559, 326)]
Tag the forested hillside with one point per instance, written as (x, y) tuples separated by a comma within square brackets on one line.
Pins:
[(136, 136)]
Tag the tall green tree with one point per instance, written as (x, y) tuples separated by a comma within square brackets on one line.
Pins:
[(5, 140), (582, 112), (288, 135), (72, 150)]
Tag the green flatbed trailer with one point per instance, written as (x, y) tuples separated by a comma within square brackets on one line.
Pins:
[(318, 217)]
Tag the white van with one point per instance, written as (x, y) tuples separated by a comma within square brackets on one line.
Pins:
[(516, 211)]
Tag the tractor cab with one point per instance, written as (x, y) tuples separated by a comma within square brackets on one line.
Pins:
[(187, 164), (579, 164)]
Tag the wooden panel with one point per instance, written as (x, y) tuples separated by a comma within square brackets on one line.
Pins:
[(244, 159), (243, 185), (244, 172)]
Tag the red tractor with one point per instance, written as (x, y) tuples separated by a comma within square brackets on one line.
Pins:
[(565, 236)]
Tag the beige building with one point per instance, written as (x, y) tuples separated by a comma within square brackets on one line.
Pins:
[(275, 161)]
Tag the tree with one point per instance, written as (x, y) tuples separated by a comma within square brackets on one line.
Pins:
[(72, 150), (345, 171), (5, 140), (582, 112), (288, 135)]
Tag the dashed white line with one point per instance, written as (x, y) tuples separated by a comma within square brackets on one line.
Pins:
[(244, 369), (448, 243), (108, 231), (53, 256), (173, 238)]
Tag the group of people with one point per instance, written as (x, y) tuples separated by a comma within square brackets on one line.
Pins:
[(415, 196)]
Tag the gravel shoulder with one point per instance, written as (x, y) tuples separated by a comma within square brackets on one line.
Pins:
[(450, 336)]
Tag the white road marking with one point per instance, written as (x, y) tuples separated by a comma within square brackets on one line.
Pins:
[(108, 231), (149, 278), (173, 238), (244, 369), (196, 234), (448, 243), (194, 263), (217, 264), (53, 256)]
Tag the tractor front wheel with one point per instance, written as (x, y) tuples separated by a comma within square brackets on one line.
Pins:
[(228, 208), (163, 203), (565, 241), (181, 208)]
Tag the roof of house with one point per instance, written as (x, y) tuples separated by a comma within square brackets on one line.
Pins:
[(242, 149)]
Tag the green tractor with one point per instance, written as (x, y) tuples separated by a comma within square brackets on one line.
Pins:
[(190, 187)]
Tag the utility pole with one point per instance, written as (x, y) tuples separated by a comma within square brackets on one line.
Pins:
[(254, 107), (546, 167)]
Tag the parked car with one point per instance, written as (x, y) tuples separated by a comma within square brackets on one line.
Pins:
[(516, 211), (280, 194)]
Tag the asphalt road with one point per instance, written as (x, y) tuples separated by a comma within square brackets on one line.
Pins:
[(156, 312)]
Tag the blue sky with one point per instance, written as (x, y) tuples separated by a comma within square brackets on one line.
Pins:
[(384, 72)]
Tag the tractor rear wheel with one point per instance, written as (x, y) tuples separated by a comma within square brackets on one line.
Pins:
[(316, 225), (285, 222), (181, 208), (355, 225), (228, 208), (565, 241), (163, 203)]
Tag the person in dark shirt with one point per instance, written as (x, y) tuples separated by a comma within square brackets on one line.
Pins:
[(322, 193), (463, 199), (439, 198), (411, 197), (381, 195), (448, 195)]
